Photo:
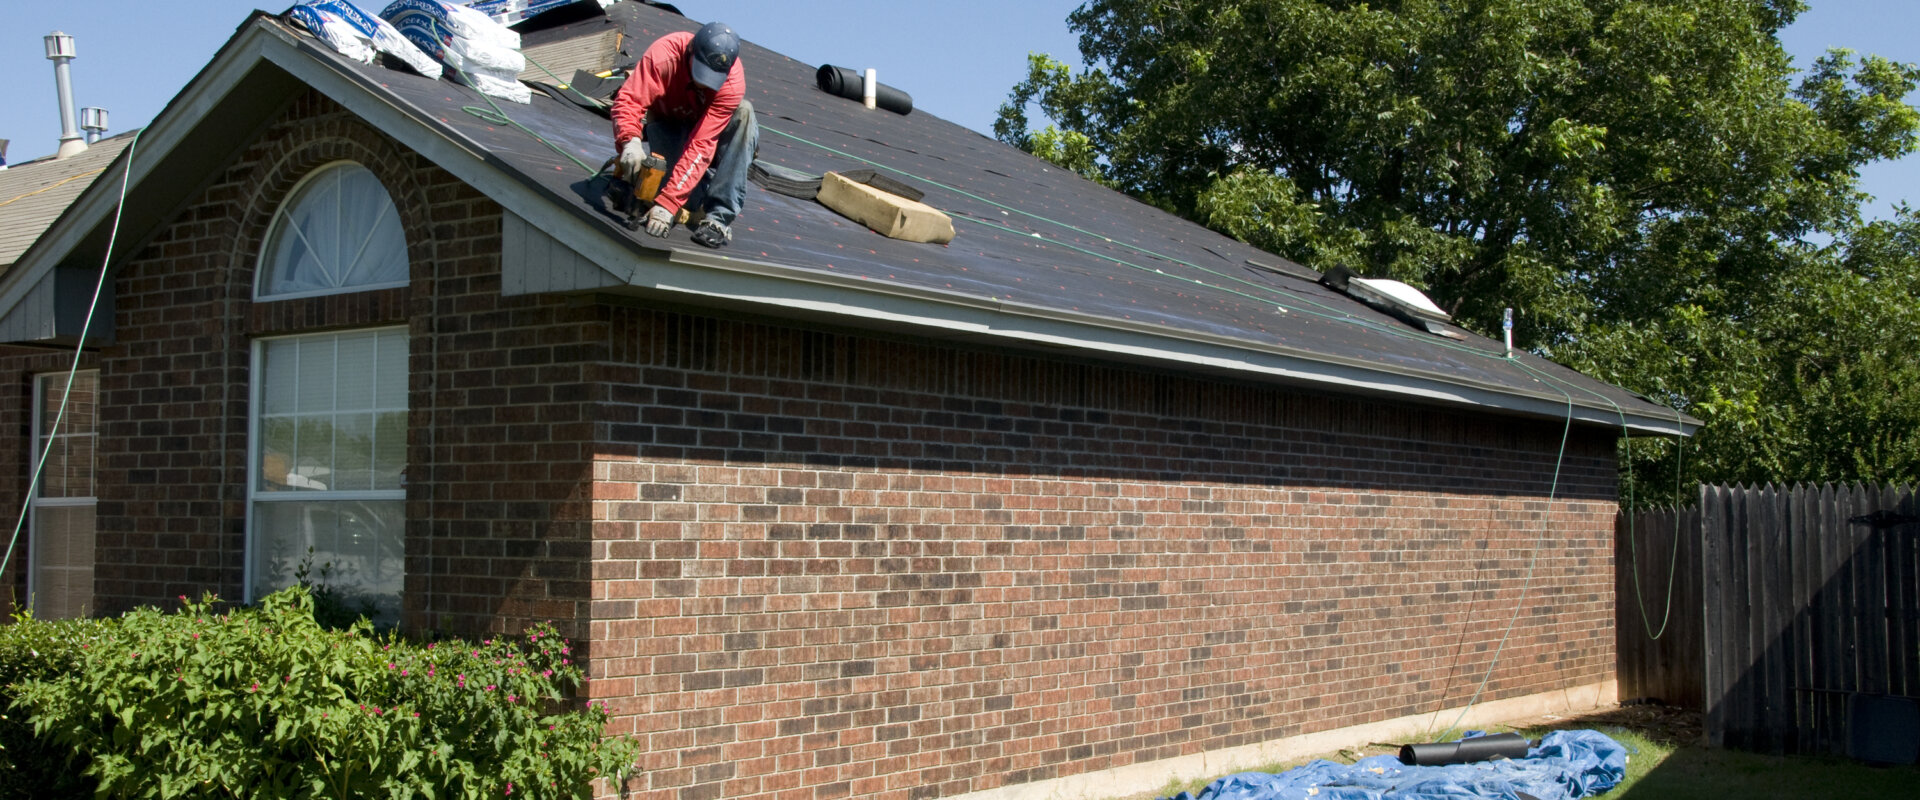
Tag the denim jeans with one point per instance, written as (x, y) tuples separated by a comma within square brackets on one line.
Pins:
[(723, 189)]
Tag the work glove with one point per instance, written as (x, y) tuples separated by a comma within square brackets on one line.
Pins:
[(659, 221), (631, 157)]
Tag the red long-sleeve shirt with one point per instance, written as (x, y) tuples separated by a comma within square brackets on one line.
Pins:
[(662, 84)]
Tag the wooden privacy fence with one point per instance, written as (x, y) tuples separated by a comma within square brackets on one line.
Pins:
[(1787, 602)]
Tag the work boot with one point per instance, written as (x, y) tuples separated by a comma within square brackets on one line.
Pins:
[(712, 233)]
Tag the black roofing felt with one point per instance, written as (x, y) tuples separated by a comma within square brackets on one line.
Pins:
[(1029, 233)]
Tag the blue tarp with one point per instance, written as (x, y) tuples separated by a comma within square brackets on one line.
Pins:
[(1566, 764)]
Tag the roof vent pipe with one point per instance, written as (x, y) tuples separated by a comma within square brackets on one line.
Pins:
[(3, 154), (60, 52), (93, 120)]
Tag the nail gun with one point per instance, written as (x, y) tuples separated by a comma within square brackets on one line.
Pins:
[(632, 197)]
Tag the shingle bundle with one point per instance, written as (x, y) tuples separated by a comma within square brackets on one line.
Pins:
[(479, 52), (358, 36)]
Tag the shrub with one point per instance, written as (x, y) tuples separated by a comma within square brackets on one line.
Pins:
[(34, 649), (265, 702)]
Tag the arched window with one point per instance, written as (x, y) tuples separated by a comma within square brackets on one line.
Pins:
[(337, 232), (328, 418)]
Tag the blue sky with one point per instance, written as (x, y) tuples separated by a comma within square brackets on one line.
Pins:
[(957, 59)]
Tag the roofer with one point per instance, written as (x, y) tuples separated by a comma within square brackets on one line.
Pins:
[(685, 100)]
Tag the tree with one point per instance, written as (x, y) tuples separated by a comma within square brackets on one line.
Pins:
[(1641, 179)]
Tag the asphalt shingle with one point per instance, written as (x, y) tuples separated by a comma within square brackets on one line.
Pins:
[(34, 193)]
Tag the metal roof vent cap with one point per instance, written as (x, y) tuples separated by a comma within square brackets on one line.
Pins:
[(3, 154), (93, 120), (61, 52)]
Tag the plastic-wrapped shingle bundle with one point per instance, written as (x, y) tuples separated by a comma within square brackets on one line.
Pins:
[(479, 52), (336, 32), (359, 36)]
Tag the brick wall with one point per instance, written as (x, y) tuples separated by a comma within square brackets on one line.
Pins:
[(837, 566)]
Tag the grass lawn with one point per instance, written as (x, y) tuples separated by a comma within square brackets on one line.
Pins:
[(1669, 762)]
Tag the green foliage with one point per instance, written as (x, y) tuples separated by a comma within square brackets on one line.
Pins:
[(265, 702), (1643, 180), (32, 650)]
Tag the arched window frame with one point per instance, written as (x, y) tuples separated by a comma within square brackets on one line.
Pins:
[(335, 509), (264, 269)]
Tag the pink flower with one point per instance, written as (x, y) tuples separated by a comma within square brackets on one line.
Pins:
[(546, 673), (255, 687), (489, 687), (512, 698)]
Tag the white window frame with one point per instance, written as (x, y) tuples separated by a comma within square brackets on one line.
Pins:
[(255, 404), (42, 384), (263, 271)]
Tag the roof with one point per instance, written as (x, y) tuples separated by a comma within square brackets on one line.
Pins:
[(1044, 259), (33, 193)]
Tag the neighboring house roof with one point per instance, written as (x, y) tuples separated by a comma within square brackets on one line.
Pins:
[(1044, 259), (33, 193)]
